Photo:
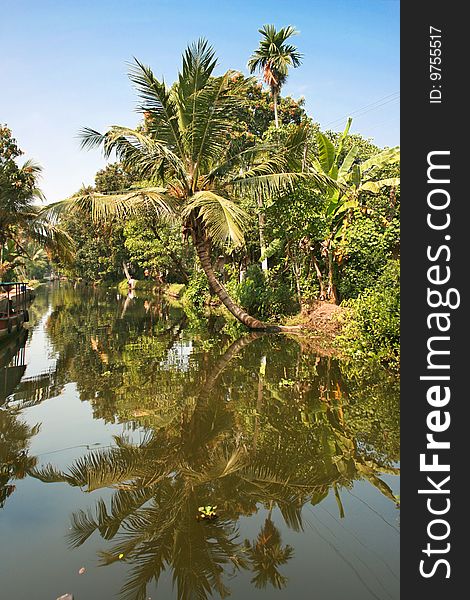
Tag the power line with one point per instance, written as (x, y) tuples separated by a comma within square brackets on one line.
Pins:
[(367, 108), (389, 98)]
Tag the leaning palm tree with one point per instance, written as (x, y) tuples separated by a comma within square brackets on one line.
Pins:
[(191, 167), (273, 57)]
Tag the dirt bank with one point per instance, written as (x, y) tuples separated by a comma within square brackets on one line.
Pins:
[(321, 323)]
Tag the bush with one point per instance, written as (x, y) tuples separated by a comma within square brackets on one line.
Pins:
[(261, 295), (197, 290), (368, 245), (372, 327), (175, 290)]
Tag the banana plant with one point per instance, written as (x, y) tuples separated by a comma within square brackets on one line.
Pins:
[(353, 179)]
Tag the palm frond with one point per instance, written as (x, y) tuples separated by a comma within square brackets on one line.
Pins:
[(224, 220), (51, 237), (104, 207), (47, 474), (376, 186), (136, 150), (215, 109), (161, 104), (198, 64)]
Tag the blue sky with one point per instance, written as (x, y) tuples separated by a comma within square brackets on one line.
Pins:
[(63, 66)]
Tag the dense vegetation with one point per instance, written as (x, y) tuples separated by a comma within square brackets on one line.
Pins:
[(234, 191), (26, 236)]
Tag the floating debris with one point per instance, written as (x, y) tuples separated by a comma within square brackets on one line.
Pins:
[(81, 571), (66, 597), (206, 513)]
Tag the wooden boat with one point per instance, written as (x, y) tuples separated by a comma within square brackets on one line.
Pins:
[(12, 363), (13, 307)]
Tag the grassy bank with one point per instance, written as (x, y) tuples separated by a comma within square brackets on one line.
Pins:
[(173, 290)]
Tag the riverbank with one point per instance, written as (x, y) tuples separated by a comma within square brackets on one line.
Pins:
[(318, 317)]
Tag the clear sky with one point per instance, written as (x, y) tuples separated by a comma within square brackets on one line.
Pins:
[(63, 66)]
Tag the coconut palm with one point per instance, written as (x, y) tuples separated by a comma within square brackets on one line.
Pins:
[(21, 221), (192, 168), (273, 58)]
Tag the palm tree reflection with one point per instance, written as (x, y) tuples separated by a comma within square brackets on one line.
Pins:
[(266, 554), (214, 450)]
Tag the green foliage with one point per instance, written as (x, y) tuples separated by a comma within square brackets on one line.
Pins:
[(100, 249), (197, 291), (157, 246), (113, 178), (255, 116), (371, 330), (368, 244), (21, 223), (264, 295)]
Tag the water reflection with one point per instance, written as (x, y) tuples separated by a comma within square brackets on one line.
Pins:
[(242, 425), (15, 463), (252, 426)]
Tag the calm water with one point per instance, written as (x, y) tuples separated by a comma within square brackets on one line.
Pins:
[(120, 418)]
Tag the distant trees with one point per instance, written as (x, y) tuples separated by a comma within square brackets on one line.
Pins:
[(20, 219)]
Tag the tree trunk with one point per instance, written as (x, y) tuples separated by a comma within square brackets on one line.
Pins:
[(259, 402), (262, 240), (332, 292), (320, 278), (202, 250), (296, 270), (276, 118)]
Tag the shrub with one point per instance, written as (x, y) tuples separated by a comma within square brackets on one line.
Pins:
[(197, 290), (263, 295), (372, 326), (368, 245)]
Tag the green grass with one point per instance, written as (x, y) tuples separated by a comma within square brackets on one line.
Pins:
[(175, 290)]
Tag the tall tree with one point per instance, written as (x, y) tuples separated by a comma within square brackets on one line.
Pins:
[(20, 218), (273, 58), (192, 168)]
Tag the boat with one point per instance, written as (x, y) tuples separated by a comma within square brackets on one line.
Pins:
[(12, 363), (13, 307)]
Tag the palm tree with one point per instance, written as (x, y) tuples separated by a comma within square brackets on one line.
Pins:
[(273, 57), (21, 221), (191, 166)]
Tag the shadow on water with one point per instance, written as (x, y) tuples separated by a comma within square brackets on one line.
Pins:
[(236, 426)]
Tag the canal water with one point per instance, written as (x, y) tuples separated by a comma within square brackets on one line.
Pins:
[(147, 454)]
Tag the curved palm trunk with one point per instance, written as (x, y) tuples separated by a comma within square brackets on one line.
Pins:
[(202, 250)]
